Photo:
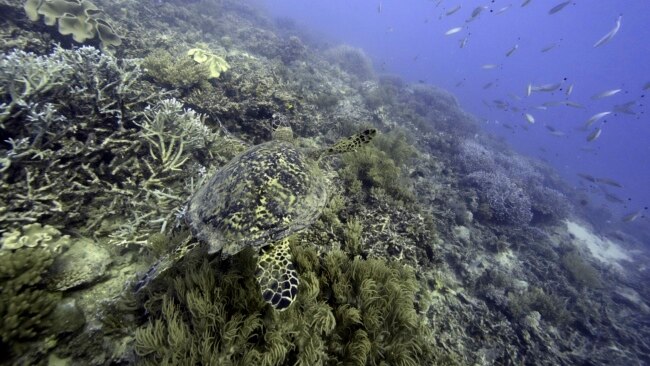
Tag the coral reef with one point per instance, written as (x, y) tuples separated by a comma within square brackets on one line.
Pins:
[(215, 64), (436, 221), (81, 19), (352, 310), (25, 305), (503, 201)]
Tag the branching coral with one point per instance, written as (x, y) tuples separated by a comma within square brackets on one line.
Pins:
[(506, 202), (25, 257)]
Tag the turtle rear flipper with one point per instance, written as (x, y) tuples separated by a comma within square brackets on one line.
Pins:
[(351, 143), (277, 276)]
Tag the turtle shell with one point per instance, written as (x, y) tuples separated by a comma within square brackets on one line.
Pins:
[(265, 194)]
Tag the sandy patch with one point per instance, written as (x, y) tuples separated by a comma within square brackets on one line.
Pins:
[(602, 249)]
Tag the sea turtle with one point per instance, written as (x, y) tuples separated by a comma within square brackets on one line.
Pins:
[(259, 199)]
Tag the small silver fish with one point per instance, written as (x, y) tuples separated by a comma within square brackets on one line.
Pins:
[(488, 85), (548, 47), (595, 118), (594, 135), (632, 216), (609, 182), (572, 104), (489, 66), (625, 108), (587, 177), (529, 118), (569, 90), (453, 10), (529, 89), (547, 87), (453, 31), (379, 8), (512, 50), (503, 9), (526, 2), (558, 7), (608, 37), (646, 86), (606, 93), (463, 42)]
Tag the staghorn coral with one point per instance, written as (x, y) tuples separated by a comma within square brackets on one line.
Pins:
[(505, 201), (348, 311)]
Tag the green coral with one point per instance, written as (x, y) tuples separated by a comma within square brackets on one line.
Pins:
[(79, 18), (349, 311), (176, 72), (25, 304), (216, 64), (377, 170), (581, 272)]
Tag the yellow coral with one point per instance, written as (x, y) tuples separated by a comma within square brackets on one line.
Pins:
[(79, 18), (216, 64), (35, 235)]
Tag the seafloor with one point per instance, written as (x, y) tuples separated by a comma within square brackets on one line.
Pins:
[(438, 245)]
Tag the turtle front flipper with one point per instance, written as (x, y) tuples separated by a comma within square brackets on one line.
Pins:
[(276, 275), (351, 143)]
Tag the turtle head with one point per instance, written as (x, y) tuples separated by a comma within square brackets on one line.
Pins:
[(283, 133), (350, 143)]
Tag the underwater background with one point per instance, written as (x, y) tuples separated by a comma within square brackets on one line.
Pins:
[(439, 182)]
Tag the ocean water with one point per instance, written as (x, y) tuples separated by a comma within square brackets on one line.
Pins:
[(284, 182), (408, 39)]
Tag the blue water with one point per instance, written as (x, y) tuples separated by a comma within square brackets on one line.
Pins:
[(408, 38)]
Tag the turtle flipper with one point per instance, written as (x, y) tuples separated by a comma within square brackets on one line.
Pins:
[(276, 275), (351, 143)]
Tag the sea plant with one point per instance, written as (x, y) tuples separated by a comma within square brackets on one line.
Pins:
[(351, 311)]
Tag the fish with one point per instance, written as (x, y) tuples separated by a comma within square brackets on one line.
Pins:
[(632, 216), (526, 2), (529, 89), (489, 66), (547, 87), (460, 83), (594, 134), (529, 118), (488, 85), (612, 198), (453, 31), (569, 90), (569, 103), (606, 93), (559, 7), (595, 118), (514, 96), (548, 47), (503, 9), (609, 182), (463, 42), (608, 37), (477, 11), (379, 8), (625, 108), (541, 107), (553, 131), (646, 86), (512, 50), (453, 10), (587, 177)]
